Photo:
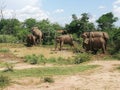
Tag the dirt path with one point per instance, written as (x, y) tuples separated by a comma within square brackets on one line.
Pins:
[(104, 78)]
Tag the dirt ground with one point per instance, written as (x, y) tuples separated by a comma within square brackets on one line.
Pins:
[(104, 78)]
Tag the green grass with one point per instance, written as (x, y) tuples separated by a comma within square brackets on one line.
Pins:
[(48, 71), (4, 50)]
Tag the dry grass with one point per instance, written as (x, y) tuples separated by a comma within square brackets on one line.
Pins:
[(47, 52)]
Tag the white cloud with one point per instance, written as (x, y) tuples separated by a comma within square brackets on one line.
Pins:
[(92, 18), (59, 11), (101, 7), (116, 8), (30, 9)]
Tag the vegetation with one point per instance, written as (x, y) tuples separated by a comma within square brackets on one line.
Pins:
[(48, 79), (14, 31), (49, 71), (4, 81), (80, 58)]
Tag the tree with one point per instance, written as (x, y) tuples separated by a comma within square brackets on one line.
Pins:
[(2, 7), (106, 21), (79, 25), (29, 23), (10, 26)]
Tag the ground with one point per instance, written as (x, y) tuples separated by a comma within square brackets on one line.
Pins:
[(106, 77)]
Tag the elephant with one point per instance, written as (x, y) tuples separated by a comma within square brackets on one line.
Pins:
[(30, 40), (95, 34), (64, 39), (38, 34), (94, 44)]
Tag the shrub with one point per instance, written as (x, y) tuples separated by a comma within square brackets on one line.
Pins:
[(8, 67), (8, 39), (4, 50), (4, 81), (83, 57), (32, 59), (41, 59), (48, 79), (117, 56)]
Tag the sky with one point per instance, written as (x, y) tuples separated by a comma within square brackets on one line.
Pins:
[(59, 11)]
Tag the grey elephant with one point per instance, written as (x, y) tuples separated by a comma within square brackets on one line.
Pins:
[(30, 40), (63, 39), (38, 34), (94, 44), (95, 34)]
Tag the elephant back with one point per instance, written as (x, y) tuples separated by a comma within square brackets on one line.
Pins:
[(36, 31)]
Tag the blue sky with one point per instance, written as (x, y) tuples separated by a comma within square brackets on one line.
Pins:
[(59, 11)]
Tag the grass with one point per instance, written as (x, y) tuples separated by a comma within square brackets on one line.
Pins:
[(48, 79), (4, 81), (48, 71), (4, 50)]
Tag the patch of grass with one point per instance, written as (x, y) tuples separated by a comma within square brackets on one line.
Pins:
[(117, 56), (40, 59), (82, 57), (8, 67), (4, 81), (48, 79), (49, 71), (4, 50)]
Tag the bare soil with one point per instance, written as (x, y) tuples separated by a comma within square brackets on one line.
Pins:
[(104, 78)]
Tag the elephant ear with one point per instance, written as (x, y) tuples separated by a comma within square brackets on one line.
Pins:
[(86, 41)]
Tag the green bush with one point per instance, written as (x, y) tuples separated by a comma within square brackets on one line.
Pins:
[(32, 59), (83, 57), (48, 79), (117, 56), (4, 81), (8, 39), (4, 50), (41, 59)]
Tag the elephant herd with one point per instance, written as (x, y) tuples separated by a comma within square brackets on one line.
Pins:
[(92, 41)]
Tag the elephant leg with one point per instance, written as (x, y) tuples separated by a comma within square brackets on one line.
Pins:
[(39, 40), (61, 44), (34, 42), (103, 48), (95, 51), (56, 45)]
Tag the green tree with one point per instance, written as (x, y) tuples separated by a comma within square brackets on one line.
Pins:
[(79, 25), (29, 23), (10, 26), (106, 21)]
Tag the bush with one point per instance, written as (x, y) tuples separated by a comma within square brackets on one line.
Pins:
[(5, 50), (32, 59), (83, 57), (117, 56), (48, 79), (8, 39), (8, 67), (41, 59), (4, 81)]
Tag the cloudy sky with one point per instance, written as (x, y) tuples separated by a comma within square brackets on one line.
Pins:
[(59, 10)]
